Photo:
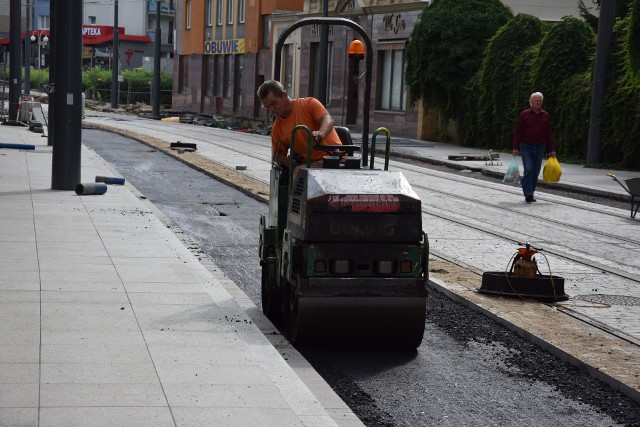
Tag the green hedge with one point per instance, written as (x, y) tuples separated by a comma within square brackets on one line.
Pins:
[(136, 86), (445, 50), (620, 124), (495, 111)]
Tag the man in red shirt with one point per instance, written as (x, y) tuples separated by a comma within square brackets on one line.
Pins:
[(533, 139), (292, 112)]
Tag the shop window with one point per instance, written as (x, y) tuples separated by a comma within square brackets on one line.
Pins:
[(392, 95)]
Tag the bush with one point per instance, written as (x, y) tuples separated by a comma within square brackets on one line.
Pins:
[(565, 50), (136, 86), (496, 84), (445, 50), (620, 125)]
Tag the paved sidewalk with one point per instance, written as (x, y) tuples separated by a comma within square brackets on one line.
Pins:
[(109, 319)]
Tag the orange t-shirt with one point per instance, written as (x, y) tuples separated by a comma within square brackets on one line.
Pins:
[(308, 112)]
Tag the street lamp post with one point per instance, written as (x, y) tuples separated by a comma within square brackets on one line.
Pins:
[(43, 39)]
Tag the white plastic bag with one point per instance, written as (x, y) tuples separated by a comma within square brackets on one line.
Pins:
[(512, 175)]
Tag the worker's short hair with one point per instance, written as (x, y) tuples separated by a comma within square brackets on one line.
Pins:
[(268, 87), (536, 94)]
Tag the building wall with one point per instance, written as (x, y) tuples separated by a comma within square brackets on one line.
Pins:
[(132, 15)]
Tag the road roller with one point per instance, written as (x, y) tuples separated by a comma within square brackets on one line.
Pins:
[(343, 254)]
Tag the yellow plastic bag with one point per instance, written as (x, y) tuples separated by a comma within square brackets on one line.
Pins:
[(552, 170)]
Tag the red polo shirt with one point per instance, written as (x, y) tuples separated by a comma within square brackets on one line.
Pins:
[(535, 129)]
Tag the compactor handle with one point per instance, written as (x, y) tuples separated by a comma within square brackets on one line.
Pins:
[(292, 150), (387, 149)]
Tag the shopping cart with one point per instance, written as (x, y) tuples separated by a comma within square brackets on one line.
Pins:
[(631, 186)]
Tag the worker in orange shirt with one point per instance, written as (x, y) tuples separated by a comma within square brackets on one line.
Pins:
[(292, 112)]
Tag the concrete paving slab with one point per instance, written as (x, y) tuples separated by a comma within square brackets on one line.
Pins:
[(73, 372), (92, 338), (106, 417), (225, 396), (19, 417), (22, 316), (274, 417), (20, 395), (105, 352), (12, 349), (19, 373), (81, 285), (65, 318), (158, 298), (233, 357), (172, 373), (13, 296), (203, 339), (125, 394), (88, 297)]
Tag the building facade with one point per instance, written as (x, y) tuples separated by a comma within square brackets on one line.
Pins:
[(136, 24), (225, 53)]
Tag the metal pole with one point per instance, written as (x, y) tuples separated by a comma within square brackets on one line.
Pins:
[(322, 59), (27, 51), (65, 171), (605, 32), (15, 74), (156, 64), (114, 62), (53, 52)]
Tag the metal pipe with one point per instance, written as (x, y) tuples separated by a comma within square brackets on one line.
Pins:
[(18, 146), (91, 188), (110, 180)]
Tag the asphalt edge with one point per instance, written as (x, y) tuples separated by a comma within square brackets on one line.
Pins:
[(326, 396), (545, 345)]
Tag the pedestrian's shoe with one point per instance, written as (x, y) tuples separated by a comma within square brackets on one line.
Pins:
[(529, 199)]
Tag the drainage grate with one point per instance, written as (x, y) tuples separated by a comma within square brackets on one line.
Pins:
[(611, 299)]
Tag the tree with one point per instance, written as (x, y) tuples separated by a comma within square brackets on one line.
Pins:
[(445, 50)]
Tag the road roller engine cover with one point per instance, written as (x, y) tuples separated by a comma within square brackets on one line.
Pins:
[(344, 256)]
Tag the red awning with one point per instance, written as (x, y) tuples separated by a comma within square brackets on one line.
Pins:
[(108, 38), (90, 41)]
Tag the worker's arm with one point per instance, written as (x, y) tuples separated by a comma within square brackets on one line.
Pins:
[(326, 126)]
